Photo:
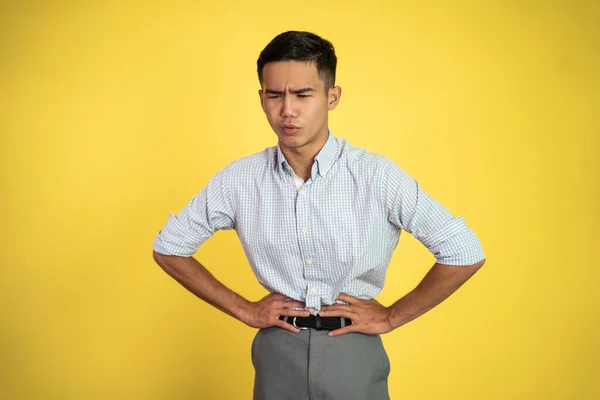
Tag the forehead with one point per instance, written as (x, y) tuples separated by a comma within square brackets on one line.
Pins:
[(293, 74)]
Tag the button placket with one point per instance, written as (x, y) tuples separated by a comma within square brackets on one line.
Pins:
[(303, 221)]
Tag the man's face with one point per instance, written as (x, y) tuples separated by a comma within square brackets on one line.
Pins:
[(293, 98)]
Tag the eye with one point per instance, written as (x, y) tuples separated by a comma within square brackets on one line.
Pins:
[(304, 95), (274, 96)]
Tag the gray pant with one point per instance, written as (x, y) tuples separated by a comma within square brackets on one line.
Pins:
[(312, 365)]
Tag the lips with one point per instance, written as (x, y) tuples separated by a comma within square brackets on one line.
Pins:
[(289, 129)]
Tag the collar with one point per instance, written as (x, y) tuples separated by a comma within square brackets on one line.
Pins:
[(324, 159)]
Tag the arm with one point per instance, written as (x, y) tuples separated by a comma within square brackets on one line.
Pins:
[(370, 317), (197, 279), (437, 285), (457, 250), (209, 211)]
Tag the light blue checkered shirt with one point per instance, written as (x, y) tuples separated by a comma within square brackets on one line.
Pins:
[(335, 234)]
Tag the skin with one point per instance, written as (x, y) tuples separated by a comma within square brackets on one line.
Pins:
[(297, 104)]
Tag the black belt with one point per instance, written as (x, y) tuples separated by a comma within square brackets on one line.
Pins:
[(317, 322)]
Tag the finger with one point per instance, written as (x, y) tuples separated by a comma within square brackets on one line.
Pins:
[(293, 313), (293, 304), (339, 312), (344, 330), (286, 326), (347, 298), (338, 307)]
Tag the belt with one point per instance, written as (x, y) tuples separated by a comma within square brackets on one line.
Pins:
[(317, 322)]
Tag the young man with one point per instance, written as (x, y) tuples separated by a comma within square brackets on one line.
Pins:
[(318, 220)]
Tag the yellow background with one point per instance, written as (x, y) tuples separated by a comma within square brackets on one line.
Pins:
[(113, 114)]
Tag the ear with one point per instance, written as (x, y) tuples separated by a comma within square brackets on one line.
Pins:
[(333, 97), (260, 94)]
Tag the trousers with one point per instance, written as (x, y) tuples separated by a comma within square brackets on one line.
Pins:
[(310, 365)]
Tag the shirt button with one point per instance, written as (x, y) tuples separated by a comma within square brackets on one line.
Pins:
[(309, 261), (313, 290), (311, 310), (304, 230), (302, 191)]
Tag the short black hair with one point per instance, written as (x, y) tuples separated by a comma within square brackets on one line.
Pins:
[(301, 46)]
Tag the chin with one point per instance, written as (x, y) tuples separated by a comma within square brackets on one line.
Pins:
[(291, 141)]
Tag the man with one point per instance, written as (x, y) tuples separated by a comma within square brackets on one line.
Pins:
[(318, 220)]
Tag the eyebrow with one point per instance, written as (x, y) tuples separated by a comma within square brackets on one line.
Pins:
[(295, 91)]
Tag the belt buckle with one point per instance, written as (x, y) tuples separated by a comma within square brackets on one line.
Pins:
[(298, 327)]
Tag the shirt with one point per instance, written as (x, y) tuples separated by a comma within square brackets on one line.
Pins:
[(336, 233)]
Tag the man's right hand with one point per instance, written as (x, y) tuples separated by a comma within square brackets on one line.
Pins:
[(265, 312), (198, 280)]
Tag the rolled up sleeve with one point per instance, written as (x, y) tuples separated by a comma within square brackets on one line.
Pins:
[(447, 237), (209, 211)]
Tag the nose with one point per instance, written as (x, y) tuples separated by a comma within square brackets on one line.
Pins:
[(287, 109)]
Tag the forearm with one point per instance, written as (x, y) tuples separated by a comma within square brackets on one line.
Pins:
[(439, 283), (197, 279)]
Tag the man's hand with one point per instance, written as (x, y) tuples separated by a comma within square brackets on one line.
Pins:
[(265, 312), (368, 316)]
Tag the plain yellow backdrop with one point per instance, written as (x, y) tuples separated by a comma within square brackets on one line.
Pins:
[(114, 114)]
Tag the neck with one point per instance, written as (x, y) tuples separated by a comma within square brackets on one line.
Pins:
[(301, 159)]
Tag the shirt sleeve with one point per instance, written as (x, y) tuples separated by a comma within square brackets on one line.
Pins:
[(447, 237), (209, 211)]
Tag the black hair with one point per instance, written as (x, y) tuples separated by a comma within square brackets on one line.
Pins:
[(301, 46)]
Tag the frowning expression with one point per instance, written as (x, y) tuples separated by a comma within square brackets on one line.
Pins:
[(296, 103)]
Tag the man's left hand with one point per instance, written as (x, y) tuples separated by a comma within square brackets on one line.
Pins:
[(368, 316)]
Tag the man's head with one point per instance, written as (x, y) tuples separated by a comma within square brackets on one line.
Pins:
[(297, 75)]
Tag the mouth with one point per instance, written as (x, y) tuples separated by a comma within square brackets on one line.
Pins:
[(290, 129)]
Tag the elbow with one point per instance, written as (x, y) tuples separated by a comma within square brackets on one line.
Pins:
[(478, 265), (169, 263), (160, 259)]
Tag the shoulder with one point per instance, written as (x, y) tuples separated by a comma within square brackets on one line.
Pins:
[(250, 165), (372, 164)]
